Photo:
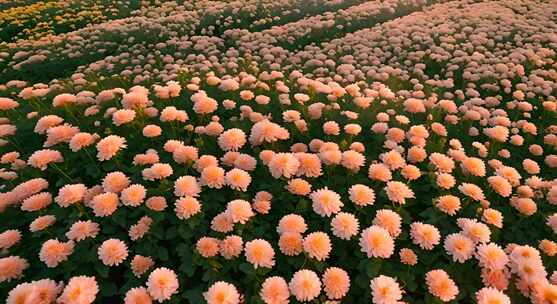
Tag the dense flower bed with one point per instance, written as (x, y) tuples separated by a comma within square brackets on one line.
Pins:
[(259, 159)]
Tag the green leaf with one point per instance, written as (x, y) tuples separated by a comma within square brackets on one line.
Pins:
[(373, 267)]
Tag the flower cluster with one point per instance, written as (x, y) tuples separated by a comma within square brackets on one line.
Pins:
[(282, 152)]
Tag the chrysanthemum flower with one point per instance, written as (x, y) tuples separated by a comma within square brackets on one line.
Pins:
[(376, 242), (336, 282), (305, 285), (162, 284), (385, 290), (80, 290), (260, 253), (222, 293), (274, 290)]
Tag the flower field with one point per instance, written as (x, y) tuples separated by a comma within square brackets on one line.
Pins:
[(278, 151)]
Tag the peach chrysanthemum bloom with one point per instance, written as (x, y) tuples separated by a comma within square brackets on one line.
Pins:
[(530, 166), (133, 195), (510, 173), (548, 247), (212, 177), (459, 246), (222, 223), (81, 230), (490, 295), (448, 204), (441, 285), (53, 252), (70, 194), (498, 133), (408, 257), (283, 164), (157, 171), (524, 205), (336, 283), (140, 264), (151, 131), (416, 154), (445, 181), (137, 295), (231, 247), (245, 162), (266, 131), (310, 164), (424, 235), (388, 220), (104, 204), (115, 182), (471, 190), (222, 293), (12, 267), (187, 207), (42, 222), (8, 104), (496, 278), (63, 100), (385, 290), (207, 246), (325, 202), (361, 195), (37, 202), (187, 186), (238, 179), (46, 122), (317, 245), (393, 159), (500, 185), (375, 241), (113, 252), (330, 156), (109, 146), (266, 156), (260, 253), (331, 128), (232, 139), (398, 192), (298, 186), (261, 206), (44, 291), (205, 161), (40, 159), (156, 203), (477, 232), (442, 163), (81, 140), (239, 211), (473, 166), (352, 160), (292, 223), (123, 116), (22, 293), (274, 290), (162, 284), (291, 243), (493, 217), (411, 172), (60, 134), (345, 225), (80, 290), (491, 256), (305, 285)]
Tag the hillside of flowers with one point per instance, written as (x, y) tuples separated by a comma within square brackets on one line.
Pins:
[(278, 151)]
